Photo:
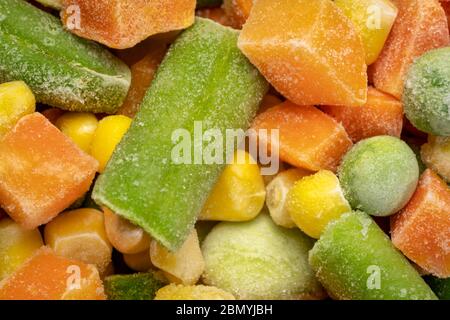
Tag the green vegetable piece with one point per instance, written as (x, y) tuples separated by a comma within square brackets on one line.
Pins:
[(62, 70), (259, 260), (138, 286), (208, 3), (204, 77), (440, 286), (426, 97), (355, 260), (379, 175)]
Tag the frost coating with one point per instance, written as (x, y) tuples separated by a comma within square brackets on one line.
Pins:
[(426, 95), (379, 175), (63, 70), (203, 77), (259, 260), (355, 260)]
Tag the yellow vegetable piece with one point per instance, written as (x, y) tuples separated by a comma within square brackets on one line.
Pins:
[(200, 292), (239, 193), (373, 19), (184, 266), (277, 191), (123, 235), (316, 200), (138, 261), (80, 234), (109, 132), (16, 101), (16, 245), (79, 126), (436, 155)]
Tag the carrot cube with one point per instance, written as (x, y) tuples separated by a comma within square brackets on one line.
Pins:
[(422, 229), (308, 50), (420, 26), (237, 11), (46, 276), (381, 115), (142, 73), (42, 171), (308, 138), (122, 24)]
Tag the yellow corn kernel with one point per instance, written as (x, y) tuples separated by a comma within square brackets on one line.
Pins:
[(199, 292), (316, 200), (139, 261), (16, 245), (373, 19), (277, 191), (79, 126), (16, 101), (109, 132), (436, 155), (80, 234), (123, 235), (184, 266), (239, 193)]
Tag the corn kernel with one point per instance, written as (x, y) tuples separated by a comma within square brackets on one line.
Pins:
[(109, 132), (80, 234), (436, 155), (125, 236), (16, 101), (16, 245), (315, 200), (139, 261), (373, 19), (79, 126), (239, 193), (199, 292), (184, 266), (277, 191)]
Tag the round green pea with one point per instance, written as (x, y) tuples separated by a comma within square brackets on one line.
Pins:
[(259, 260), (379, 175), (426, 96)]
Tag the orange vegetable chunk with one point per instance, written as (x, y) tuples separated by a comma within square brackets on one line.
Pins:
[(122, 24), (237, 11), (446, 6), (422, 229), (381, 115), (46, 276), (308, 138), (42, 171), (142, 73), (421, 25), (308, 50)]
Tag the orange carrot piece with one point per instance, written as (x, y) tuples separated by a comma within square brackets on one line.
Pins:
[(381, 115), (422, 229), (308, 50), (42, 171), (122, 24), (46, 276), (420, 26), (308, 138)]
